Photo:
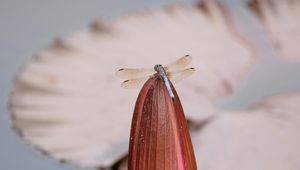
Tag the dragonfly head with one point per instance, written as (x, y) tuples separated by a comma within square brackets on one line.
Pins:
[(158, 67)]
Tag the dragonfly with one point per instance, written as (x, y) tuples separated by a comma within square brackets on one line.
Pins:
[(174, 72)]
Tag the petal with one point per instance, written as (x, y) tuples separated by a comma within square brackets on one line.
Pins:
[(281, 20), (264, 137)]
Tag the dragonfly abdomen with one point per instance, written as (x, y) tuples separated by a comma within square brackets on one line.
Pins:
[(163, 75), (167, 83)]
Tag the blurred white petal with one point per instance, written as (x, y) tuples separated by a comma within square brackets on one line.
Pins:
[(262, 138), (68, 102), (281, 20)]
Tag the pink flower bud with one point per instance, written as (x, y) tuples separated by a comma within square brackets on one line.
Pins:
[(159, 138)]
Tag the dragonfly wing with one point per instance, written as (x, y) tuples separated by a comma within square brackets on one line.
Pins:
[(134, 83), (179, 64), (131, 73), (175, 77)]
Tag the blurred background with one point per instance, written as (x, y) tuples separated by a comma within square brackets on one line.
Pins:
[(29, 26)]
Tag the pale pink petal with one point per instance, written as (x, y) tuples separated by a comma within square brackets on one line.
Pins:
[(281, 20), (265, 137)]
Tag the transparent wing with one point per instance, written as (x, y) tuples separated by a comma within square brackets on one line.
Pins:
[(134, 83), (131, 73), (175, 77), (179, 64)]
